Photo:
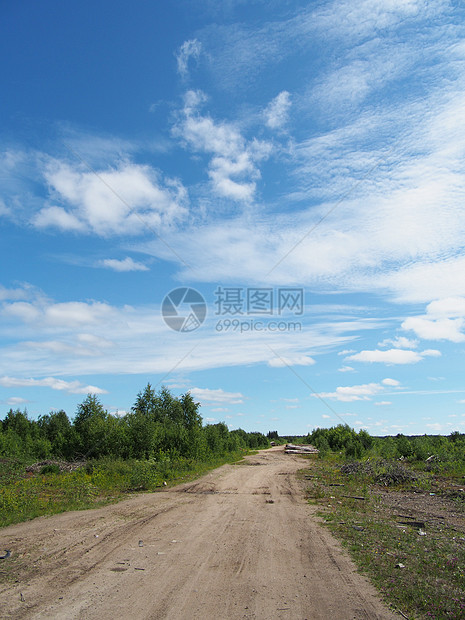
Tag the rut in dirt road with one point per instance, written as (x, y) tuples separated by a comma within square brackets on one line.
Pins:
[(241, 542)]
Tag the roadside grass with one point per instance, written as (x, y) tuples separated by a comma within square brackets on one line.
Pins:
[(24, 496), (418, 566)]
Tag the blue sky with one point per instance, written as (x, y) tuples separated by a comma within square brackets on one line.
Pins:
[(249, 151)]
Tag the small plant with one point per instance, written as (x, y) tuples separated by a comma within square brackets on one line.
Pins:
[(50, 469)]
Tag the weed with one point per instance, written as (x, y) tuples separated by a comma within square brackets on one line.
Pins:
[(432, 582)]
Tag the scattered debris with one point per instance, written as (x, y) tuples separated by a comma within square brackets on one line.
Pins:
[(419, 524), (300, 449), (384, 472), (141, 543), (62, 465), (7, 555), (354, 497), (400, 565)]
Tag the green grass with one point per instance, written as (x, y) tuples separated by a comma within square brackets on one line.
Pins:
[(432, 582), (24, 497)]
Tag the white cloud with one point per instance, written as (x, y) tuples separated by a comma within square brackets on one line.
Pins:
[(131, 199), (444, 320), (118, 413), (83, 338), (15, 401), (298, 360), (436, 427), (450, 307), (390, 382), (72, 387), (399, 342), (189, 49), (352, 393), (276, 113), (126, 264), (436, 329), (345, 369), (58, 217), (218, 396), (392, 356), (233, 165), (25, 292), (66, 314), (383, 403)]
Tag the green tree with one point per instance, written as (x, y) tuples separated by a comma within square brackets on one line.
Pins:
[(90, 425)]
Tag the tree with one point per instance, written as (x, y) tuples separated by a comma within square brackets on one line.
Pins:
[(89, 424), (190, 410)]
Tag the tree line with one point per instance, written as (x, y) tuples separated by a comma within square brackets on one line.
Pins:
[(159, 423), (438, 450)]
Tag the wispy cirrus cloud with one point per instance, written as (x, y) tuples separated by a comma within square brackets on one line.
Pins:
[(277, 111), (189, 49)]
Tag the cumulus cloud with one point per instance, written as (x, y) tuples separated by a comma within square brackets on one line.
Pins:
[(233, 167), (276, 113), (436, 329), (217, 397), (393, 356), (360, 392), (400, 342), (353, 393), (66, 314), (72, 387), (297, 360), (444, 320), (131, 199), (450, 307), (15, 401), (390, 382), (126, 264)]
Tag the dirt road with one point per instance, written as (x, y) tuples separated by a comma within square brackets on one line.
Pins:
[(241, 542)]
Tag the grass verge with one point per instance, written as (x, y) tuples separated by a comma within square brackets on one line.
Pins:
[(405, 530), (25, 495)]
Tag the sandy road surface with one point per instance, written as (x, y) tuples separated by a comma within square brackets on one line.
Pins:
[(241, 542)]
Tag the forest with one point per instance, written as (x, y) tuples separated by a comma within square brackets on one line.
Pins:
[(158, 424)]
